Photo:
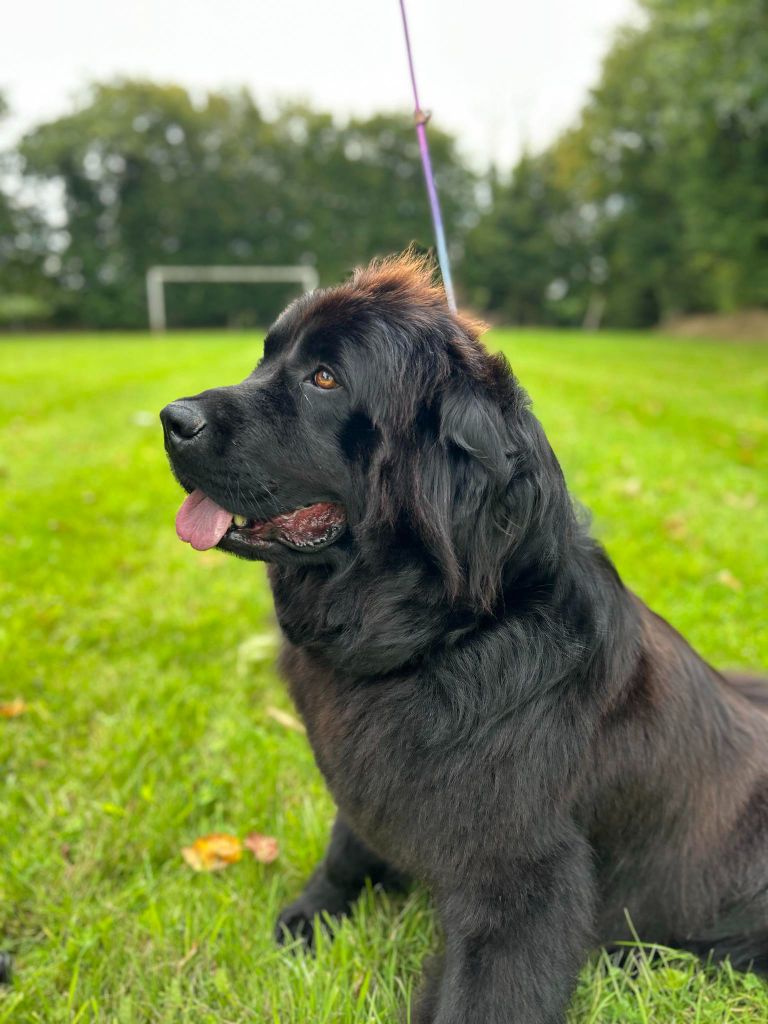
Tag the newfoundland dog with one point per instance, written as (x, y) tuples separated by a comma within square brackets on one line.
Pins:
[(495, 714)]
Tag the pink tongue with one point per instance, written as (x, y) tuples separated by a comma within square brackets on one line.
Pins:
[(201, 522)]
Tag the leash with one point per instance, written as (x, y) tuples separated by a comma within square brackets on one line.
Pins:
[(420, 118)]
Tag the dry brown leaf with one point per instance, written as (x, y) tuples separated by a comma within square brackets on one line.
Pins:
[(676, 527), (286, 720), (214, 852), (264, 848), (13, 708)]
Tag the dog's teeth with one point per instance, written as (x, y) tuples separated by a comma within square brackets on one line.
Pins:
[(239, 520)]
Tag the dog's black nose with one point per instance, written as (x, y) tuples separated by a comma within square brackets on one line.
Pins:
[(182, 420)]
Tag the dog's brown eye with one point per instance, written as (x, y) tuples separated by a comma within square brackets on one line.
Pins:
[(324, 379)]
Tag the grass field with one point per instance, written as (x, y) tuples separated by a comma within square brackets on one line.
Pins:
[(148, 671)]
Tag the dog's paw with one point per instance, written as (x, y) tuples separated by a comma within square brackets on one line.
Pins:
[(317, 907), (296, 923)]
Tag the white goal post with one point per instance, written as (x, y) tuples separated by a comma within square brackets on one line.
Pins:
[(158, 277)]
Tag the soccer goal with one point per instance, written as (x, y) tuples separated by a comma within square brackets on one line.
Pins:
[(158, 277)]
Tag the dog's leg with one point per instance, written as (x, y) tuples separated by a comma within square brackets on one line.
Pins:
[(335, 884), (514, 946)]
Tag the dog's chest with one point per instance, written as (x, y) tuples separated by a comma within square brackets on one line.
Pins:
[(367, 749)]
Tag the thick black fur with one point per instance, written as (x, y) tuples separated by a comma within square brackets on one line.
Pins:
[(495, 714)]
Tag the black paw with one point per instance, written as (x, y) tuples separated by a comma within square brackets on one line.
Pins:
[(296, 924), (6, 968), (318, 905)]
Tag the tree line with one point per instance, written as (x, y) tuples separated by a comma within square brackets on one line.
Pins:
[(654, 203)]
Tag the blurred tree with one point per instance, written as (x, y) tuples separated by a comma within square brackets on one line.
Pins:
[(529, 259), (671, 159), (24, 292), (656, 202), (149, 176)]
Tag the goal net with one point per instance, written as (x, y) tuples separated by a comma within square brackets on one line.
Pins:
[(158, 277)]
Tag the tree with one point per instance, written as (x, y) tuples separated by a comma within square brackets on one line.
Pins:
[(528, 259), (655, 203), (151, 177), (23, 289), (672, 154)]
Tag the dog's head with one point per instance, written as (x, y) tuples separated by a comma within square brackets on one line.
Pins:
[(376, 426)]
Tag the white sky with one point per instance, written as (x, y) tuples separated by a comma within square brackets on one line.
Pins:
[(503, 74)]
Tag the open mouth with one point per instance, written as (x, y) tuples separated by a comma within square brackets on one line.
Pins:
[(204, 524)]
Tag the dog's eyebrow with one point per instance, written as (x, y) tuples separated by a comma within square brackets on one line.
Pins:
[(319, 341), (275, 341)]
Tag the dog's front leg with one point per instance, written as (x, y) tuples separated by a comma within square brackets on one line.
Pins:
[(335, 884), (513, 944)]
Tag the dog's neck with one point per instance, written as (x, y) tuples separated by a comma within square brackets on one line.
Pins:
[(367, 621)]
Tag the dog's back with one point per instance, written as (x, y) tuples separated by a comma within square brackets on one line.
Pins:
[(754, 688), (680, 830)]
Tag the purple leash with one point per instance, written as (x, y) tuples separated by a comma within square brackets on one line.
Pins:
[(421, 117)]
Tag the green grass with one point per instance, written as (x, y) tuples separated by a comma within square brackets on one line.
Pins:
[(147, 722)]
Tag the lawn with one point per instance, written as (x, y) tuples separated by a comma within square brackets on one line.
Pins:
[(148, 673)]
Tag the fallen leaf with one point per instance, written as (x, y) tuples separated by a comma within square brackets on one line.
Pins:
[(740, 501), (213, 853), (676, 527), (13, 708), (726, 577), (264, 848), (286, 720), (653, 408), (632, 487)]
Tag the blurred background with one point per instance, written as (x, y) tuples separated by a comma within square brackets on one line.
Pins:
[(603, 168), (601, 164)]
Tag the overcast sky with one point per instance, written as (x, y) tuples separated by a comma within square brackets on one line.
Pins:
[(502, 74)]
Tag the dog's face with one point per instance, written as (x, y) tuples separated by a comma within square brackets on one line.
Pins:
[(275, 464), (375, 418)]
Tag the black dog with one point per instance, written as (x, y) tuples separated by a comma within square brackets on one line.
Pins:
[(494, 713)]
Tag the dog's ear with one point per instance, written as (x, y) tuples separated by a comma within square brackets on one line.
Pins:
[(474, 477), (491, 499), (472, 422), (461, 474)]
